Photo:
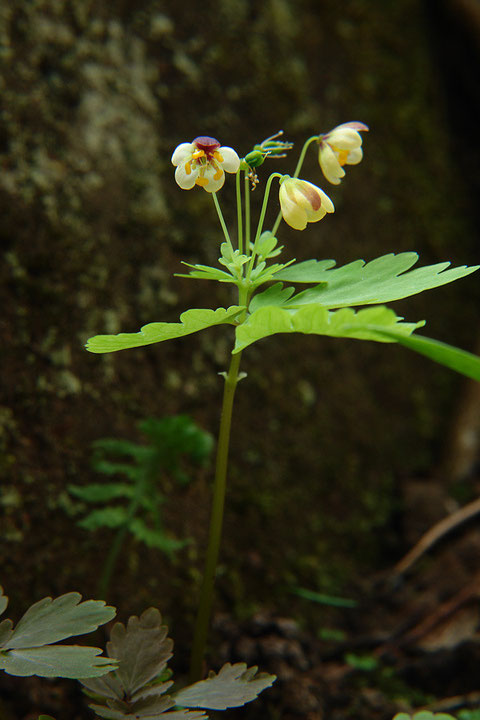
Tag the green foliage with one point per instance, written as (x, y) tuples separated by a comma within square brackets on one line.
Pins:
[(280, 309), (382, 280), (315, 319), (137, 688), (191, 321), (323, 599), (365, 663), (28, 648), (424, 715), (148, 470)]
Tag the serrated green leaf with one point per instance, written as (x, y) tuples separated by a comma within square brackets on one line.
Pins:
[(314, 319), (274, 295), (461, 361), (68, 661), (234, 685), (382, 280), (98, 492), (191, 321), (142, 649), (308, 271), (48, 621)]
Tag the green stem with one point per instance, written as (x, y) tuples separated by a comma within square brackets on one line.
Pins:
[(301, 158), (216, 521), (261, 221), (238, 191), (247, 214), (221, 218)]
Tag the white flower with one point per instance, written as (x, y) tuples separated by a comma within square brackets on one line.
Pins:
[(341, 146), (203, 162), (301, 202)]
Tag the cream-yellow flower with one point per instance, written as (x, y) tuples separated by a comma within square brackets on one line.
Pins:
[(341, 146), (204, 162), (302, 202)]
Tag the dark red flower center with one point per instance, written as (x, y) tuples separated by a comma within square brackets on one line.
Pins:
[(207, 144)]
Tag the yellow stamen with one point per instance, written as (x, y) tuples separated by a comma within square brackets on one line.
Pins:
[(217, 156), (188, 168), (218, 174), (201, 181), (342, 156), (198, 154)]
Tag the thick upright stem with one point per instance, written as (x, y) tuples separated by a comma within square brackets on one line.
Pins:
[(216, 521)]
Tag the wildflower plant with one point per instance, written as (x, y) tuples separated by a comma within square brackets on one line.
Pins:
[(282, 296)]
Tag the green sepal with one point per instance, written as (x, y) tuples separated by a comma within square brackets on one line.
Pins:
[(317, 320), (382, 280), (191, 321)]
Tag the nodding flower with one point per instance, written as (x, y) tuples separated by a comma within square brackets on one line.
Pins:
[(341, 146), (203, 162), (301, 202)]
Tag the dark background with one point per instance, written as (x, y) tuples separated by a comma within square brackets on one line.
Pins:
[(343, 452)]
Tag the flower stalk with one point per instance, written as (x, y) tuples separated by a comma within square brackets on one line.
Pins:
[(216, 521)]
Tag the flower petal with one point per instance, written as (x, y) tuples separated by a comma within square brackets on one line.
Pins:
[(354, 156), (331, 168), (215, 177), (231, 161), (185, 179), (344, 139), (293, 214), (354, 125), (182, 153)]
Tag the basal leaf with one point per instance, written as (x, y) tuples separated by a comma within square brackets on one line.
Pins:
[(142, 649), (48, 621), (108, 686), (461, 361), (234, 685), (191, 321), (315, 319), (382, 280), (68, 661)]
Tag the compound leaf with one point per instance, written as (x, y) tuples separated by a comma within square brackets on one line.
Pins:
[(49, 621), (191, 321), (68, 661), (315, 319), (142, 649), (234, 685), (382, 280)]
